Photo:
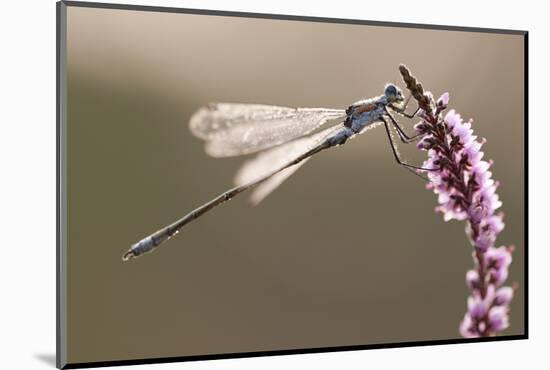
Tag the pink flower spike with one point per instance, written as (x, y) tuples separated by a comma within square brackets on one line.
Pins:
[(466, 191)]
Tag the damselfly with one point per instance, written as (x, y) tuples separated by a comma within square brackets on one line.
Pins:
[(285, 139)]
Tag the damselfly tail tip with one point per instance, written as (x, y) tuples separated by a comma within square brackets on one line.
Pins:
[(128, 255), (143, 246)]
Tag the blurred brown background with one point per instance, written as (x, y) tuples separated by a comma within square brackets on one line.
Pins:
[(347, 251)]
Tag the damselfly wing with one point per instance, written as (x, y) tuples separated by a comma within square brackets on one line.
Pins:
[(237, 129), (267, 161)]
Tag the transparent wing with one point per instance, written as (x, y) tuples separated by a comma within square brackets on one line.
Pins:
[(269, 161), (235, 129)]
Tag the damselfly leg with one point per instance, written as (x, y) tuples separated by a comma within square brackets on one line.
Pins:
[(402, 134), (396, 155), (402, 110)]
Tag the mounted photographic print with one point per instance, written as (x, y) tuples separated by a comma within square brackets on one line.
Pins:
[(235, 184)]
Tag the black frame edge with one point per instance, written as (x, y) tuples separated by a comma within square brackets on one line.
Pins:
[(526, 181), (286, 17), (222, 356)]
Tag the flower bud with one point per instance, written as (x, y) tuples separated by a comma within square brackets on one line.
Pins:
[(504, 296), (498, 318), (472, 279)]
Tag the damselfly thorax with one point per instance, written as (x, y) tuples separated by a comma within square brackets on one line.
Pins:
[(284, 138)]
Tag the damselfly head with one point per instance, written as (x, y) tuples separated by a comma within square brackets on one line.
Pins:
[(393, 94)]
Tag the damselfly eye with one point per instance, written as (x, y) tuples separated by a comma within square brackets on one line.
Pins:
[(391, 90)]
